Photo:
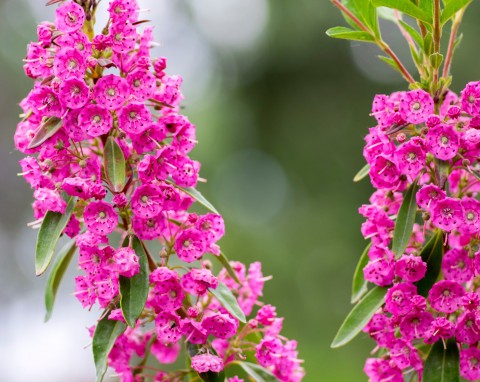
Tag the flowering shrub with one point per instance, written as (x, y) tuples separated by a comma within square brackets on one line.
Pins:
[(108, 158), (417, 283)]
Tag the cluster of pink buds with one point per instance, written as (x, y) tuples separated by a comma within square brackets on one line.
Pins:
[(429, 149), (108, 159)]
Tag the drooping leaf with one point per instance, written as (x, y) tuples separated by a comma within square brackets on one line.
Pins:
[(46, 130), (451, 8), (114, 164), (223, 259), (405, 220), (390, 62), (442, 364), (106, 333), (195, 194), (52, 227), (362, 173), (349, 34), (359, 316), (257, 372), (228, 300), (407, 7), (55, 277), (134, 290), (432, 254), (359, 284)]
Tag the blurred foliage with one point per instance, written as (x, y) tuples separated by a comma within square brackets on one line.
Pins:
[(298, 100)]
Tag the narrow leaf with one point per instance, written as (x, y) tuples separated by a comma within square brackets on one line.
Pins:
[(359, 316), (55, 277), (228, 300), (52, 227), (451, 8), (432, 254), (134, 290), (362, 173), (257, 372), (195, 195), (442, 365), (46, 130), (407, 7), (436, 60), (405, 220), (106, 333), (359, 284), (349, 34), (114, 164)]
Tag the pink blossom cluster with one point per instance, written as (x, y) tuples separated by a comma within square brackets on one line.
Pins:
[(432, 145), (92, 89)]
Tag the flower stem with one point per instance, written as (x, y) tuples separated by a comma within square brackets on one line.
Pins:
[(451, 42)]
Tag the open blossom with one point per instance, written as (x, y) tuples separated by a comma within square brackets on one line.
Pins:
[(109, 148)]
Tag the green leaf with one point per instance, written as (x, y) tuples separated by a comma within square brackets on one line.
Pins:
[(451, 8), (359, 316), (405, 220), (257, 372), (359, 284), (55, 277), (46, 130), (223, 259), (195, 195), (362, 173), (436, 60), (414, 34), (52, 227), (390, 62), (228, 300), (431, 254), (442, 364), (114, 164), (106, 333), (349, 34), (407, 7), (134, 290)]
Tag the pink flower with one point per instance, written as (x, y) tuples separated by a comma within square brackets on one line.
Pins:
[(442, 141), (111, 91), (398, 300), (69, 63), (69, 17), (204, 363), (73, 93), (446, 296), (410, 268), (470, 98), (457, 265), (100, 218), (142, 84), (220, 325), (190, 245), (134, 118), (470, 363), (146, 201), (429, 195), (416, 106), (447, 214), (95, 120)]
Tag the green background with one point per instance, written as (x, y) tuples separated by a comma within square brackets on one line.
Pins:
[(280, 124)]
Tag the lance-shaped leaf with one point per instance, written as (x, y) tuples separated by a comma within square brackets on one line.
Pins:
[(359, 316), (451, 8), (405, 220), (223, 259), (134, 290), (359, 284), (55, 277), (349, 34), (52, 227), (114, 164), (407, 7), (46, 130), (228, 300), (362, 173), (431, 254), (106, 333), (442, 364), (257, 372), (195, 195)]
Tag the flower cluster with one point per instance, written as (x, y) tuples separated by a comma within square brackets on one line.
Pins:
[(102, 99), (429, 148)]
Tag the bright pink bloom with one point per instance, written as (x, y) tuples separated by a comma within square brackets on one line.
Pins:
[(446, 296), (100, 218), (470, 98), (95, 120), (442, 141), (111, 91), (134, 118), (416, 106), (69, 17), (204, 363)]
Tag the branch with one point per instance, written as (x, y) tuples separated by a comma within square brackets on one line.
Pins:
[(451, 42)]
